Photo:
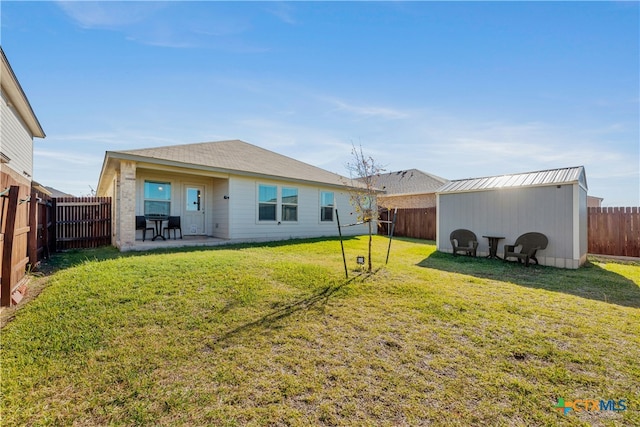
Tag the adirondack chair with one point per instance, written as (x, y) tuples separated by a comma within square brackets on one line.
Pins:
[(463, 241), (529, 244)]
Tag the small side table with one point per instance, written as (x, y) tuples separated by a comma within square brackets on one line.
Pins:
[(493, 246)]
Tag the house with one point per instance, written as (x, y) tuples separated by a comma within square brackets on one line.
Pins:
[(410, 188), (552, 202), (19, 125), (229, 190), (594, 202)]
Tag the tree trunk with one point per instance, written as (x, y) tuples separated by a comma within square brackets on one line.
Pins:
[(370, 239)]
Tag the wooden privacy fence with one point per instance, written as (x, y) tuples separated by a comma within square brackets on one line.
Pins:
[(419, 223), (32, 225), (82, 222), (24, 235), (14, 241), (614, 231)]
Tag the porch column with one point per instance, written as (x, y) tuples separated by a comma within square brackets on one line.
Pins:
[(127, 205)]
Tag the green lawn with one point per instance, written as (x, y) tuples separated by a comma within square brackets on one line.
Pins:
[(275, 335)]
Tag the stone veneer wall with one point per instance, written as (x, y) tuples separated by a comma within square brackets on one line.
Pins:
[(408, 201), (127, 204)]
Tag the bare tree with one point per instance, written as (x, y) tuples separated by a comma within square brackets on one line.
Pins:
[(366, 171)]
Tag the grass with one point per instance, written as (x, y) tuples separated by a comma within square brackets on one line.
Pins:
[(274, 335)]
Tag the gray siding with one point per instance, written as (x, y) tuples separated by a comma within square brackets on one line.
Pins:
[(244, 222), (17, 141), (220, 208), (583, 225), (512, 212)]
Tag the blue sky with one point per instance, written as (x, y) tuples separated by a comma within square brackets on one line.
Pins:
[(454, 89)]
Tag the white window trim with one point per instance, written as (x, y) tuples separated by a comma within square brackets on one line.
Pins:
[(157, 181), (278, 204), (266, 221), (321, 206), (282, 204)]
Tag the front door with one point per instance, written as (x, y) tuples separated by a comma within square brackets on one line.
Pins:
[(194, 211)]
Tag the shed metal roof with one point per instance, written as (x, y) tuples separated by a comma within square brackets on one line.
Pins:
[(560, 176)]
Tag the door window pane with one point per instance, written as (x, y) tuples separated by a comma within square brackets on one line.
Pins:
[(194, 199)]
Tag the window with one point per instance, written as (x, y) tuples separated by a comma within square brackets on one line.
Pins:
[(157, 198), (289, 204), (326, 206), (267, 202)]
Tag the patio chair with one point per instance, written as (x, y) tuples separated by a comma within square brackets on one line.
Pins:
[(529, 244), (463, 241), (141, 224), (173, 223)]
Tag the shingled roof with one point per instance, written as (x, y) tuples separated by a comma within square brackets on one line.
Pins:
[(234, 156), (411, 181)]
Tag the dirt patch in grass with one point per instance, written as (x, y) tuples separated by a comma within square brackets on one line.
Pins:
[(35, 283)]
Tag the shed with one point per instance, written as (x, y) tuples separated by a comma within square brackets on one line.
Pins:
[(552, 202)]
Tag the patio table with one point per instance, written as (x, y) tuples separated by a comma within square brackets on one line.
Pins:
[(493, 246), (157, 220)]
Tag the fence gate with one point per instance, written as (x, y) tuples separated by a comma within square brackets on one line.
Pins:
[(82, 222)]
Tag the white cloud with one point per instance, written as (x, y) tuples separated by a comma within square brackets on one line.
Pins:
[(368, 110), (164, 24), (283, 11), (67, 157), (105, 14)]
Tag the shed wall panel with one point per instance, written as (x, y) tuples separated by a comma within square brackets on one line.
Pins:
[(583, 226)]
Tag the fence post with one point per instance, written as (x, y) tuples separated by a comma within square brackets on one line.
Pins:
[(7, 250), (32, 239), (53, 238)]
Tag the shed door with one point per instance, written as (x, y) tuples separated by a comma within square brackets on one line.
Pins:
[(194, 210)]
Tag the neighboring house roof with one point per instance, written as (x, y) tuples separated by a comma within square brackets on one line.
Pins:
[(49, 191), (58, 193), (11, 87), (407, 182), (236, 157), (569, 175)]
